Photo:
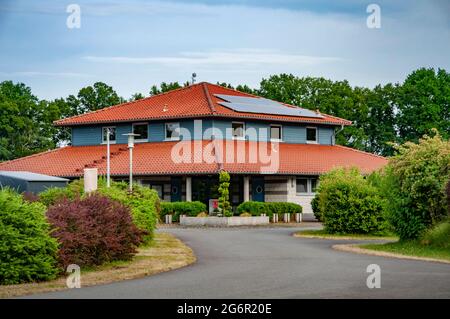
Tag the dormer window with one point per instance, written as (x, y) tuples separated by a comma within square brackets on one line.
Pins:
[(173, 131), (142, 130), (275, 133), (311, 135), (112, 134), (237, 129)]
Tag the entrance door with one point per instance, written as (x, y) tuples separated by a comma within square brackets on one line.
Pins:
[(175, 189), (258, 188)]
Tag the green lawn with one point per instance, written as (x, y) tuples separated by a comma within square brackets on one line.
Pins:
[(320, 233), (411, 248)]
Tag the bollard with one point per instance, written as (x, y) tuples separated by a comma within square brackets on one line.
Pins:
[(286, 217), (298, 217), (275, 218)]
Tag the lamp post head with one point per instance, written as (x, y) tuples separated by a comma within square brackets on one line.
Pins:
[(131, 139)]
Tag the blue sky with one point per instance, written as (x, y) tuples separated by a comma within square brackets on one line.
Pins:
[(132, 45)]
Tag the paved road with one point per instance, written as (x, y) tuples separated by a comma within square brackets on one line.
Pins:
[(269, 263)]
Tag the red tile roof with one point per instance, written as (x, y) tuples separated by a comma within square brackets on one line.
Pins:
[(156, 159), (197, 101)]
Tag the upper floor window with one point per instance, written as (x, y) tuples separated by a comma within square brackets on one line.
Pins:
[(112, 134), (237, 129), (275, 132), (311, 135), (172, 131), (142, 130)]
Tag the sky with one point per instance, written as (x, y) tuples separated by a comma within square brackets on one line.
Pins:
[(132, 45)]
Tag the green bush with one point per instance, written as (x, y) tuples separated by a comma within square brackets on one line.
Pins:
[(315, 207), (182, 208), (438, 236), (414, 186), (55, 194), (27, 251), (268, 208), (348, 203), (224, 198)]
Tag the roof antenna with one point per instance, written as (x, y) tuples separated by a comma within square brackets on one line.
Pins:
[(194, 75)]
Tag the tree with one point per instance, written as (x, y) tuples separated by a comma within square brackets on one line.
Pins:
[(24, 122), (414, 185), (98, 96), (224, 198), (137, 96), (424, 104), (165, 87)]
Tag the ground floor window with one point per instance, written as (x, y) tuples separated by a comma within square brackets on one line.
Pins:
[(306, 185)]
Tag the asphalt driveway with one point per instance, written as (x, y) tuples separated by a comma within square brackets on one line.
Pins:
[(269, 263)]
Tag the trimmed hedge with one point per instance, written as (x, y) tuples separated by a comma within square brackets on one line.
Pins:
[(269, 208), (182, 208), (93, 230), (348, 203), (27, 251)]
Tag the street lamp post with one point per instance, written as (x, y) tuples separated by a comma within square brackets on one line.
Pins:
[(130, 147)]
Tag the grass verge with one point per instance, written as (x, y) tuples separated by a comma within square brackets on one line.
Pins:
[(411, 248), (322, 234), (164, 253)]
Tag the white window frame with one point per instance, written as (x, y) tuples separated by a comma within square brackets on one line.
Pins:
[(309, 191), (243, 131), (317, 135), (138, 139), (103, 135), (165, 132), (281, 133)]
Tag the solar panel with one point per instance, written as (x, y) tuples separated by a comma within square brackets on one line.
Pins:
[(262, 105)]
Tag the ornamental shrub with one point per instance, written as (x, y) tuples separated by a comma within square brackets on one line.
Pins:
[(55, 194), (348, 203), (438, 235), (224, 198), (182, 208), (315, 207), (414, 186), (93, 230), (27, 251), (268, 208)]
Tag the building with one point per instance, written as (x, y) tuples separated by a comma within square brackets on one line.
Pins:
[(29, 182), (273, 151)]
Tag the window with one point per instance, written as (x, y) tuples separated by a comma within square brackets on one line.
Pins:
[(275, 132), (307, 185), (237, 129), (302, 185), (142, 130), (311, 135), (112, 134), (172, 131), (313, 185)]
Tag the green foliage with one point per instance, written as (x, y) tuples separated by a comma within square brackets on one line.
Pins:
[(268, 208), (165, 87), (245, 215), (414, 186), (438, 236), (96, 97), (315, 207), (27, 252), (348, 203), (53, 195), (224, 194), (182, 208)]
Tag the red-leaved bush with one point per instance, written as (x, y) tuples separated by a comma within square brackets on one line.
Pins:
[(93, 230)]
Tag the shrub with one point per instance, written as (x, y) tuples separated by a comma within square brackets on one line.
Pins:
[(348, 203), (315, 207), (203, 214), (245, 215), (269, 208), (224, 198), (438, 236), (143, 202), (414, 186), (27, 251), (182, 208), (55, 194), (93, 230)]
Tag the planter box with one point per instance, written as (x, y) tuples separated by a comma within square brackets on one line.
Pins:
[(224, 221)]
